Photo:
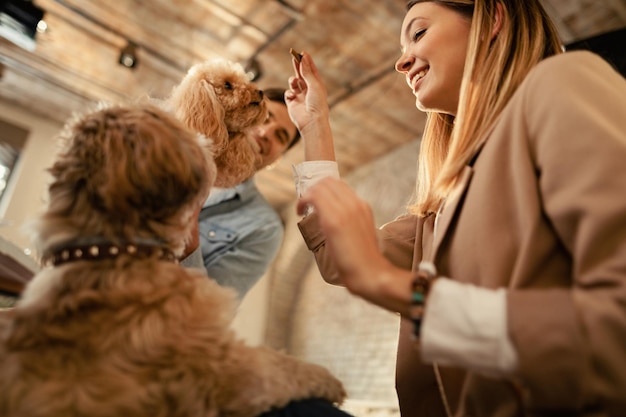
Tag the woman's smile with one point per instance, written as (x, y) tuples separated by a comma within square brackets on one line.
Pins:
[(416, 77)]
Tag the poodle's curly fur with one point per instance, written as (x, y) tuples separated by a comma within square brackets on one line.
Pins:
[(216, 98), (134, 336)]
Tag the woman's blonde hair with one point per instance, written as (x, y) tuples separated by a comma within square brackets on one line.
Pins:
[(494, 68)]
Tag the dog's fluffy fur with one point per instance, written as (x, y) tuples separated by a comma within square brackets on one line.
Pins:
[(134, 336), (217, 99)]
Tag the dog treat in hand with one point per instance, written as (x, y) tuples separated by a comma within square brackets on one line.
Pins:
[(296, 55)]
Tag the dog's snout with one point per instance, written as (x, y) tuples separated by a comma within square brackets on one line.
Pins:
[(257, 97)]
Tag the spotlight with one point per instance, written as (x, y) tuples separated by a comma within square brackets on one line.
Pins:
[(42, 26), (128, 55), (253, 69)]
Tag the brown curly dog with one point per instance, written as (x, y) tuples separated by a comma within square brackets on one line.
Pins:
[(112, 325)]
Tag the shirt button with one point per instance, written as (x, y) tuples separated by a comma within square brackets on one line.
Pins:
[(211, 233), (308, 176)]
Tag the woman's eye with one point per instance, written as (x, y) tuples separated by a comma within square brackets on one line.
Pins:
[(228, 85), (418, 34)]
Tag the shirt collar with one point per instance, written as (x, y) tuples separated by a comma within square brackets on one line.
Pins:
[(219, 195)]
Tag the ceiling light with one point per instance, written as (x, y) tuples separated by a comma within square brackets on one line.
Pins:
[(253, 69), (42, 26), (128, 55)]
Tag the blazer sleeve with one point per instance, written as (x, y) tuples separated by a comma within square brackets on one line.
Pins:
[(396, 238), (571, 342)]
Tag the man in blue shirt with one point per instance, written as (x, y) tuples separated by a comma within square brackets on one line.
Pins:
[(240, 233)]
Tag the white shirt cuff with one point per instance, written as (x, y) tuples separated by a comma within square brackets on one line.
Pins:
[(466, 326), (308, 173)]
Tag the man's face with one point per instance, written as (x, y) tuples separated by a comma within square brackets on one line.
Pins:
[(274, 135)]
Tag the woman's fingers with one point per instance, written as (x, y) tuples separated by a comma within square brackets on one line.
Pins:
[(321, 196), (338, 206), (307, 66), (348, 226), (309, 72), (296, 67)]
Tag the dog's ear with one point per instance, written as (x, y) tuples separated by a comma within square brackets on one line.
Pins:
[(236, 163), (212, 122), (198, 107)]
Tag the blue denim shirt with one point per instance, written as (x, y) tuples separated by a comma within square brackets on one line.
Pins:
[(240, 234)]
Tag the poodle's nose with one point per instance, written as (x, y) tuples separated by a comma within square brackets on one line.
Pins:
[(258, 99)]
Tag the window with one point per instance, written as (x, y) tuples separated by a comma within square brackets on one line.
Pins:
[(12, 140)]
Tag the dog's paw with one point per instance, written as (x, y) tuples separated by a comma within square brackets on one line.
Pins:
[(323, 384), (254, 380)]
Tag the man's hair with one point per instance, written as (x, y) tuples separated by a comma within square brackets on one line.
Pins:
[(278, 95)]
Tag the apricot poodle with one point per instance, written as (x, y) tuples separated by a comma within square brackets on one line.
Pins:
[(217, 99)]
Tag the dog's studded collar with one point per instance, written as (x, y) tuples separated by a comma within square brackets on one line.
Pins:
[(102, 251)]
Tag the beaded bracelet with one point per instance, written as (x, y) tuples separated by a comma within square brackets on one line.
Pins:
[(420, 287)]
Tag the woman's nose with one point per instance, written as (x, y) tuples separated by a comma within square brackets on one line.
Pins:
[(404, 63)]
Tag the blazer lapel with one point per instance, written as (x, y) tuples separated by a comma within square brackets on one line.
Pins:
[(449, 208)]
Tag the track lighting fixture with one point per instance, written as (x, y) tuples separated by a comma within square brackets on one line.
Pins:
[(253, 69), (128, 55)]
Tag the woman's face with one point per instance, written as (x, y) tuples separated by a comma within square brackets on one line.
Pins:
[(434, 43)]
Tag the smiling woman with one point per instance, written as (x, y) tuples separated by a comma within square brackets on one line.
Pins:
[(493, 322)]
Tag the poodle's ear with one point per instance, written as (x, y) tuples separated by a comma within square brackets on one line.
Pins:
[(212, 122), (197, 105)]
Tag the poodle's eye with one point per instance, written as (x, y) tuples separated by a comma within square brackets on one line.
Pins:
[(228, 85)]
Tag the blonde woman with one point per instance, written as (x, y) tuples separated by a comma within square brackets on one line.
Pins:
[(509, 268)]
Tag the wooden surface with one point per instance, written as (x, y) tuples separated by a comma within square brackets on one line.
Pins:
[(355, 44)]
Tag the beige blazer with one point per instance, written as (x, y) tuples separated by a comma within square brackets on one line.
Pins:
[(542, 212)]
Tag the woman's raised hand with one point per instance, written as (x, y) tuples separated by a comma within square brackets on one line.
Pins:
[(306, 97), (307, 103)]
